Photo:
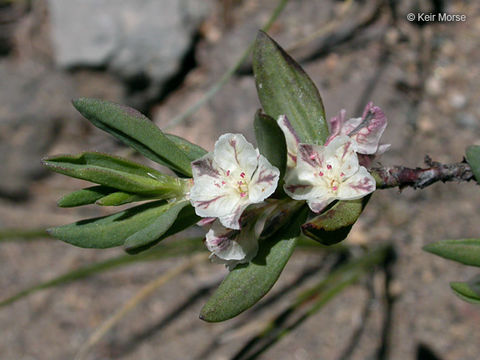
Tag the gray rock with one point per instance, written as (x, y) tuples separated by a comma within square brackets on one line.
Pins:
[(34, 100), (132, 37)]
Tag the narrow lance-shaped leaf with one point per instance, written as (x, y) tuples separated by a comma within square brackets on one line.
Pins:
[(85, 196), (474, 284), (141, 239), (135, 130), (333, 225), (465, 292), (112, 230), (245, 285), (285, 89), (465, 251), (120, 198), (271, 141), (473, 159), (185, 218), (100, 195), (118, 173), (192, 151)]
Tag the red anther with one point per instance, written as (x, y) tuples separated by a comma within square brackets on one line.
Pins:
[(329, 167), (320, 173), (228, 172), (242, 175)]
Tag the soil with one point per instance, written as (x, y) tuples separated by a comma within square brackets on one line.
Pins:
[(425, 76)]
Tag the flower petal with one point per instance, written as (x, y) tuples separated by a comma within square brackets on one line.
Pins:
[(357, 186), (300, 185), (232, 219), (235, 154), (264, 181), (231, 247), (342, 155), (311, 157), (335, 125), (368, 133), (382, 148), (210, 199), (291, 139), (318, 205)]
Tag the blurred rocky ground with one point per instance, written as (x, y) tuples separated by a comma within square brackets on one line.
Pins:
[(161, 57)]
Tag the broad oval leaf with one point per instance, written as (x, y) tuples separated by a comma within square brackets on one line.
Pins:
[(285, 89), (333, 225), (141, 239), (109, 231), (463, 291), (245, 285), (135, 130), (271, 141), (465, 251), (118, 173), (473, 159)]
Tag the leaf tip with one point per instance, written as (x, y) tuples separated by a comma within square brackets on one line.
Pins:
[(428, 247)]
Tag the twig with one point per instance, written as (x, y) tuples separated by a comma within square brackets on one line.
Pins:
[(144, 293), (419, 178)]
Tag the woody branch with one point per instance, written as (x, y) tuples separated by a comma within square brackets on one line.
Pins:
[(419, 178)]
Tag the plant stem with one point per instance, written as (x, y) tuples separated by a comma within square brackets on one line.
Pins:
[(419, 178)]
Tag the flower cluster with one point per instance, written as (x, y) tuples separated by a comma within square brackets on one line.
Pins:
[(235, 175)]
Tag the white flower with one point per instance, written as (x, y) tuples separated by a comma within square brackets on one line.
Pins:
[(233, 247), (234, 176), (366, 130), (327, 173), (291, 139)]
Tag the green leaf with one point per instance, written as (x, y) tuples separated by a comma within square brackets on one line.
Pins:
[(333, 225), (245, 285), (143, 238), (135, 130), (120, 198), (185, 218), (475, 284), (112, 230), (116, 172), (192, 151), (285, 89), (85, 196), (473, 159), (271, 141), (465, 251), (463, 291)]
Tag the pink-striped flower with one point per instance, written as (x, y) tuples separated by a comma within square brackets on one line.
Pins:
[(230, 178), (324, 174), (366, 131), (232, 247)]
